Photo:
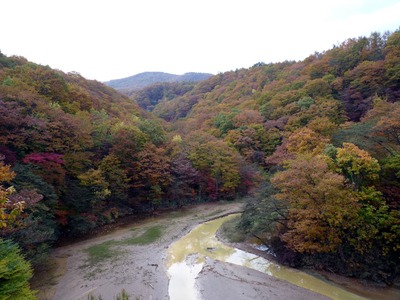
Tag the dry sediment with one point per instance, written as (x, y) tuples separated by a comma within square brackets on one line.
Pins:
[(141, 269)]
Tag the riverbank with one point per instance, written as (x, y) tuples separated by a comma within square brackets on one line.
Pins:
[(219, 280), (74, 272), (129, 258), (367, 289)]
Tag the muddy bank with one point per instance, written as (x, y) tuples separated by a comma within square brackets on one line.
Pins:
[(139, 269), (227, 281), (365, 289)]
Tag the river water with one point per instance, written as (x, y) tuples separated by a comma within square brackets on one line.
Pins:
[(186, 257)]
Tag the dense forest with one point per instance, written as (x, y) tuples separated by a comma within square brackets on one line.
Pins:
[(75, 154), (133, 83), (323, 134), (314, 145)]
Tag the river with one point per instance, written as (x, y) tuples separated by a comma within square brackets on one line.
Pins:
[(186, 257), (186, 262)]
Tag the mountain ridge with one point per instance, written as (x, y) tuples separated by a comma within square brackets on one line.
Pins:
[(145, 79)]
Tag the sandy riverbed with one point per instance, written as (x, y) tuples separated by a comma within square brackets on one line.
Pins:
[(141, 270)]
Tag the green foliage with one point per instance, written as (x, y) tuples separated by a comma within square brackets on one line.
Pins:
[(39, 229), (154, 131), (149, 97), (391, 168), (7, 62), (100, 252), (92, 297), (8, 81), (15, 273), (116, 177), (305, 102), (111, 249), (148, 237), (317, 88), (361, 135), (101, 127), (217, 160), (96, 181), (79, 224), (123, 295), (357, 165), (263, 214), (224, 122), (230, 231)]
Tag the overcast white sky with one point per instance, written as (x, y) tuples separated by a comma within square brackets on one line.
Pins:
[(104, 39)]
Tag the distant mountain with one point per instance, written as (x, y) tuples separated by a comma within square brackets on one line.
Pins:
[(142, 80)]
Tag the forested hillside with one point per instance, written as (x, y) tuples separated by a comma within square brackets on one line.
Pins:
[(148, 97), (133, 83), (317, 142), (325, 132), (78, 155)]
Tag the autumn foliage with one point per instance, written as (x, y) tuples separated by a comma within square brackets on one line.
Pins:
[(317, 140)]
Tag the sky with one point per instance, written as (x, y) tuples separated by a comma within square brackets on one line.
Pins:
[(104, 39)]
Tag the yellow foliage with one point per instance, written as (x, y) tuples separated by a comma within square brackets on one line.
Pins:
[(8, 211), (305, 140)]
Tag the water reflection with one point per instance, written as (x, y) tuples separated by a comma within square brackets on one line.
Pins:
[(186, 258), (182, 279)]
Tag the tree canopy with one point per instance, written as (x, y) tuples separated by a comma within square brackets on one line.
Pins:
[(322, 134)]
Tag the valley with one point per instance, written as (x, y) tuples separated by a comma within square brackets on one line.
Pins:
[(312, 147), (144, 270)]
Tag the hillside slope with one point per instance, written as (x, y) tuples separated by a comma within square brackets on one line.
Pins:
[(318, 138), (142, 80), (80, 155), (330, 125)]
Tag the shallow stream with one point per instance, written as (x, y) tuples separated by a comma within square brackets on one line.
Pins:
[(186, 257)]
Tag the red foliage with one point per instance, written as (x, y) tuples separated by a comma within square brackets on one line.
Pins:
[(279, 156), (89, 217), (391, 194), (51, 169), (40, 158), (62, 216), (211, 188)]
